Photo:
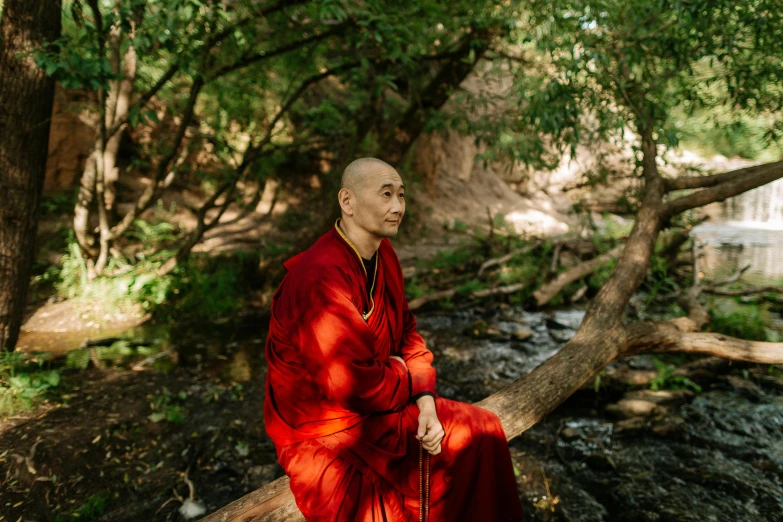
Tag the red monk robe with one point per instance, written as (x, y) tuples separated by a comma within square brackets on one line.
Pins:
[(342, 415)]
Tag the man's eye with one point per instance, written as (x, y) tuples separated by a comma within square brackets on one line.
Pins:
[(387, 194), (402, 195)]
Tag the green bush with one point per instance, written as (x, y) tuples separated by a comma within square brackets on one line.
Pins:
[(666, 380), (746, 323), (23, 381)]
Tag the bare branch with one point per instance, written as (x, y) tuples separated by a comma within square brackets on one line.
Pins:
[(265, 55), (549, 290), (727, 189), (694, 182), (417, 303), (745, 291), (148, 196), (505, 258)]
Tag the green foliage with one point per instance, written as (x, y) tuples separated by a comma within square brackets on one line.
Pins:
[(666, 380), (166, 406), (198, 289), (470, 286), (719, 131), (611, 66), (92, 509), (601, 275), (120, 353), (151, 236), (23, 381), (131, 283), (208, 288), (745, 323), (659, 281), (55, 204)]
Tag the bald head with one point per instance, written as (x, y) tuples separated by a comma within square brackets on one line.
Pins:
[(372, 200), (359, 171)]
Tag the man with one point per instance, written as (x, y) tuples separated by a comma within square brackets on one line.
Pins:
[(350, 392)]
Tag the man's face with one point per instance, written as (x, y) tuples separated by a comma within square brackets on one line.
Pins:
[(380, 203)]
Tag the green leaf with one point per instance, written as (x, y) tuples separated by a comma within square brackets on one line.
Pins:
[(156, 417)]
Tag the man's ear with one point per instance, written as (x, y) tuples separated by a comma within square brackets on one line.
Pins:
[(345, 198)]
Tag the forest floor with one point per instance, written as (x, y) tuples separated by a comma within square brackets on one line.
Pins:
[(121, 445)]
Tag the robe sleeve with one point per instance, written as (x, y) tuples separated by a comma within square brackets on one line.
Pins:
[(337, 349), (416, 355)]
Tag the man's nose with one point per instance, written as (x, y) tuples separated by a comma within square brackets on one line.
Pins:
[(398, 206)]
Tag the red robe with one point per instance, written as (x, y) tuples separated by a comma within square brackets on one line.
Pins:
[(342, 414)]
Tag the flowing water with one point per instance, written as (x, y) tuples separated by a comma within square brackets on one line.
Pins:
[(747, 231)]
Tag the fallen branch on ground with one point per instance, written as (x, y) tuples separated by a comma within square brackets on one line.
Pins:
[(549, 290)]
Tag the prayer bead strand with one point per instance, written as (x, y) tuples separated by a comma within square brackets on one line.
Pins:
[(424, 486)]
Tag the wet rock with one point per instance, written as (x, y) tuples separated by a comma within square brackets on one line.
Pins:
[(569, 319), (482, 330), (575, 504), (668, 425), (600, 460), (562, 336), (521, 335), (630, 425), (627, 408), (747, 388), (645, 403), (667, 397)]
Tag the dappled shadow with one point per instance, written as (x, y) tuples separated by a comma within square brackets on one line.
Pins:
[(101, 444)]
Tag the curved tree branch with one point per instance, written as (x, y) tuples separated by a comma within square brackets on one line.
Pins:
[(752, 178)]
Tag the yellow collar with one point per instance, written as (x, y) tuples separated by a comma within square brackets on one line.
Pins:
[(365, 315)]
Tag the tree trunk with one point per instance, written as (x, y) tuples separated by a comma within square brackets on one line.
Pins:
[(25, 115), (602, 338), (118, 106)]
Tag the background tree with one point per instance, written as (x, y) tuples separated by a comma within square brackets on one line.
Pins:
[(27, 92)]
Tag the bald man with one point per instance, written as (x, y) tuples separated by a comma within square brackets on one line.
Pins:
[(351, 404)]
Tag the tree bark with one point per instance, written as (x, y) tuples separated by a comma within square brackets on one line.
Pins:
[(25, 116), (452, 73)]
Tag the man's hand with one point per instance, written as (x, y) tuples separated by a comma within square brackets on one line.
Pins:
[(399, 359), (430, 431)]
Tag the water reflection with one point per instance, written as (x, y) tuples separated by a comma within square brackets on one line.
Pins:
[(733, 245)]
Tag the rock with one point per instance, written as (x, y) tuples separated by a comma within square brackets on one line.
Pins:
[(633, 408), (482, 330), (646, 403), (192, 509), (667, 425), (562, 336), (661, 396), (570, 433), (521, 334), (630, 425)]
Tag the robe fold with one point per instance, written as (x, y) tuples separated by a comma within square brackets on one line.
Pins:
[(342, 415)]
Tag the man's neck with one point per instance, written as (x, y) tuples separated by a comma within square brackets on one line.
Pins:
[(366, 243)]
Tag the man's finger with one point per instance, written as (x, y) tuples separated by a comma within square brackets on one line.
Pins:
[(433, 434), (435, 451), (430, 446)]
